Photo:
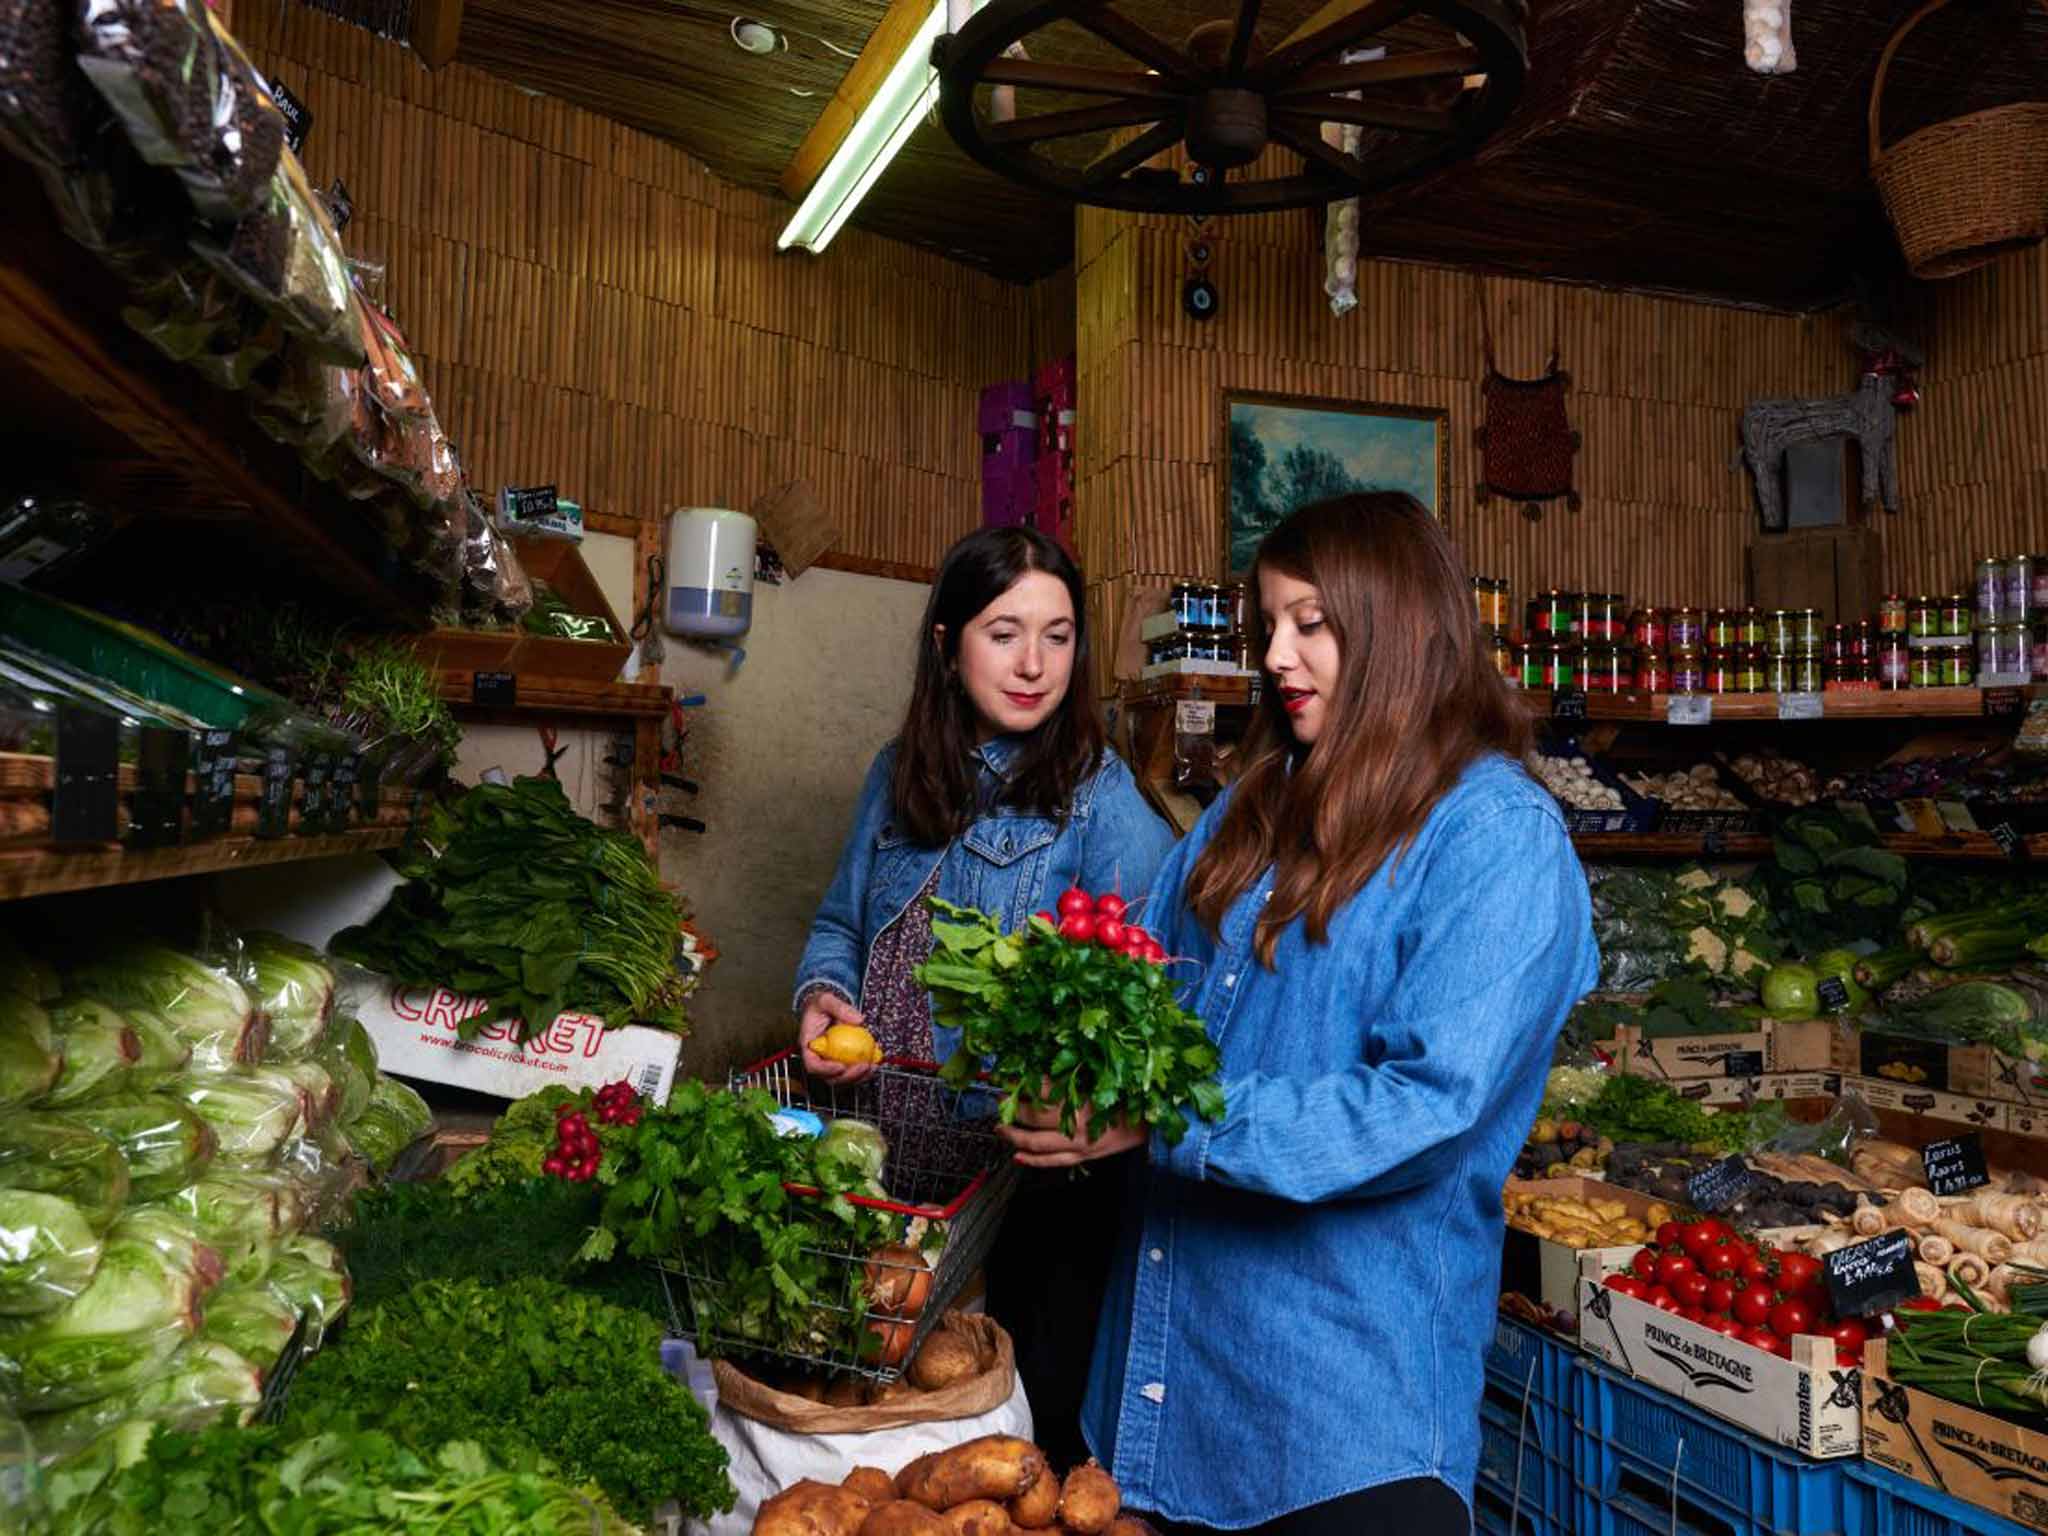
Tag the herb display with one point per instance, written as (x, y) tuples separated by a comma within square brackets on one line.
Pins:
[(1680, 1005), (348, 1480), (1642, 1109), (520, 1370), (517, 899), (1078, 1012)]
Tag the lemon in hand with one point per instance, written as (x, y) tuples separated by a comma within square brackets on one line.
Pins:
[(847, 1043)]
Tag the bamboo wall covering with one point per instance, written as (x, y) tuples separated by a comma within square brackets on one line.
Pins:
[(595, 310)]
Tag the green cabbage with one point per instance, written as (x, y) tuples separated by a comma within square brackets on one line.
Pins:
[(1792, 992), (30, 1061), (857, 1144), (395, 1119), (165, 1142), (205, 1008), (100, 1049), (48, 1252), (252, 1113), (52, 1156), (294, 992)]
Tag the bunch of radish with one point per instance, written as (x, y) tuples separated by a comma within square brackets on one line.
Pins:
[(577, 1155), (1099, 920), (617, 1104)]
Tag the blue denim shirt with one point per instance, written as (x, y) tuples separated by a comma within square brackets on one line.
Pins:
[(1302, 1311), (1009, 863)]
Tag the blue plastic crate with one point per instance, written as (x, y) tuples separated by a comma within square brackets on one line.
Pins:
[(1521, 1357), (1625, 1427), (1881, 1503), (1636, 1511), (1494, 1514), (1524, 1457)]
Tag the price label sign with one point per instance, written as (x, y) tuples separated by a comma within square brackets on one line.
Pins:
[(1717, 1187), (1567, 704), (1689, 709), (274, 808), (213, 782), (1834, 996), (1744, 1063), (341, 804), (157, 809), (1955, 1167), (85, 803), (527, 503), (2001, 701), (1799, 706), (2008, 838), (298, 117), (1873, 1276), (497, 689), (1195, 717)]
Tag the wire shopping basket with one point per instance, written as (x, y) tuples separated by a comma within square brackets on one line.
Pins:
[(948, 1176)]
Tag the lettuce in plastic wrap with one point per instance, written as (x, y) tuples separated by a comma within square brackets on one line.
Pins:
[(294, 990), (204, 1006), (163, 1140), (52, 1156), (253, 1114), (99, 1046), (30, 1061)]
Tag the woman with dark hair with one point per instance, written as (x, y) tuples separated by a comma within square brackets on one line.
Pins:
[(1388, 926), (998, 794)]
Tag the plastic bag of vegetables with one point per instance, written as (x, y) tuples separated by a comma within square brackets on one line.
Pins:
[(294, 992), (30, 1060), (308, 1272), (255, 1320), (202, 1379), (234, 1211), (49, 1156), (21, 1481), (395, 1119), (319, 1093), (164, 1054), (204, 1006), (143, 1302), (49, 1252), (253, 1114), (99, 1047), (164, 1142), (349, 1056)]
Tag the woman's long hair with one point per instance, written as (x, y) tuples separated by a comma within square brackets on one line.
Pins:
[(1417, 699), (936, 775)]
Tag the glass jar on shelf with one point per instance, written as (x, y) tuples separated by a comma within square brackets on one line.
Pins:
[(1958, 616), (1685, 628), (1652, 671), (1601, 616), (1923, 618), (1604, 668), (1551, 615), (1894, 663), (1688, 669), (1646, 629), (1958, 662), (1891, 614)]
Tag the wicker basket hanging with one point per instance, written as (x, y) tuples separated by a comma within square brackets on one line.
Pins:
[(1963, 192)]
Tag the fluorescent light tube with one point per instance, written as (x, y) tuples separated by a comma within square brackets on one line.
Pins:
[(882, 128)]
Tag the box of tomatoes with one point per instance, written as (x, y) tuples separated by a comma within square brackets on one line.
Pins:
[(1737, 1328)]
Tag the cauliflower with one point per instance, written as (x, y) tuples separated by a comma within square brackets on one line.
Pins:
[(1735, 901), (1708, 948), (1743, 964), (1694, 879)]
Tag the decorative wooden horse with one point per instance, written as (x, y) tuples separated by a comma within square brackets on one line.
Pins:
[(1867, 414)]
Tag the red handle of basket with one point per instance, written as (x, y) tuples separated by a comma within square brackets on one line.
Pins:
[(1884, 65)]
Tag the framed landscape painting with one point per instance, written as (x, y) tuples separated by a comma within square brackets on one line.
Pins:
[(1286, 452)]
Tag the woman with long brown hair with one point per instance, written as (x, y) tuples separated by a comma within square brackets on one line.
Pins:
[(1388, 926), (998, 793)]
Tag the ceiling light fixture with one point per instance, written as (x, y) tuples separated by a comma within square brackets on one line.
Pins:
[(755, 37), (883, 127)]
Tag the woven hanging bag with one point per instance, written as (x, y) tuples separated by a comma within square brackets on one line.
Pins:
[(1966, 191)]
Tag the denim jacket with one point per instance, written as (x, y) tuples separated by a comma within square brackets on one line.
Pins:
[(1301, 1312), (1009, 863)]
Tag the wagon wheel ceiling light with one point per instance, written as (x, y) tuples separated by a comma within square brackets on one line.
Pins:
[(1227, 100)]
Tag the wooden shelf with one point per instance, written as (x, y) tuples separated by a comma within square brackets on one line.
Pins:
[(1691, 845), (153, 438), (1905, 704), (552, 697), (1227, 692), (44, 871)]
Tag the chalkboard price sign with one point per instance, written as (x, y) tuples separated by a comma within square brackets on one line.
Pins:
[(1873, 1276), (1717, 1187), (1834, 996), (1567, 704), (1955, 1167)]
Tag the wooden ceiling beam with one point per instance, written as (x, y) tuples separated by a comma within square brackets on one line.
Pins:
[(436, 31), (864, 77)]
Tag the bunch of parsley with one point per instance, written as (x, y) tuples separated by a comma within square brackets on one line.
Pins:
[(1103, 1030), (522, 1370)]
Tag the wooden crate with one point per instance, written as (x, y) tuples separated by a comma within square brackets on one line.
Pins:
[(1837, 570)]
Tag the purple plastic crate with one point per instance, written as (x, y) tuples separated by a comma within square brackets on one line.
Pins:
[(1007, 407), (1006, 505)]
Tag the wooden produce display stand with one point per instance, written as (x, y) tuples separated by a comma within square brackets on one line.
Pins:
[(1956, 1450)]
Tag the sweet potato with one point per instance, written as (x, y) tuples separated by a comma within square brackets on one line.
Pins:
[(872, 1484), (992, 1467), (979, 1517), (812, 1509), (1037, 1506), (1089, 1500), (945, 1359), (903, 1518)]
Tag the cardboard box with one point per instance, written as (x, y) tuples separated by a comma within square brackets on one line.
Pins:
[(1547, 1272), (1808, 1403), (1882, 1093), (2027, 1120), (1971, 1071), (1982, 1072), (1962, 1452), (1677, 1057), (417, 1035)]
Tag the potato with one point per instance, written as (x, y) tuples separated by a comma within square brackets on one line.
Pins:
[(979, 1517), (903, 1518), (1124, 1525), (1089, 1500), (846, 1392), (944, 1360), (810, 1388), (812, 1509), (890, 1392), (872, 1484), (992, 1467), (1037, 1506)]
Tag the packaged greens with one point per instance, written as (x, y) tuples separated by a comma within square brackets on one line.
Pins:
[(253, 1114), (49, 1252), (45, 104), (30, 1062), (242, 1216), (49, 1156), (98, 1046), (309, 1274), (294, 991), (395, 1118), (286, 255), (164, 1054), (164, 1142), (206, 1008), (201, 1380), (157, 65), (319, 1093), (344, 1065), (21, 1484), (255, 1321)]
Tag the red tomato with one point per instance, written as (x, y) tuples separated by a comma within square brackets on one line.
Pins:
[(1645, 1263), (1109, 932), (1791, 1318), (1768, 1342), (1078, 926), (1657, 1295), (1723, 1261), (1756, 1268), (1110, 905), (1668, 1304), (1691, 1291), (1727, 1327), (1694, 1315), (1672, 1265), (1696, 1240), (1721, 1296), (1669, 1235), (1753, 1306), (1848, 1334), (1074, 900), (1799, 1274), (1848, 1359), (1625, 1283)]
